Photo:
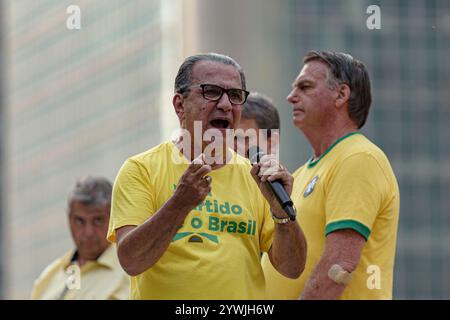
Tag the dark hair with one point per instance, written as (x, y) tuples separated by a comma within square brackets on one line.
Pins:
[(262, 109), (352, 72), (92, 192), (183, 78)]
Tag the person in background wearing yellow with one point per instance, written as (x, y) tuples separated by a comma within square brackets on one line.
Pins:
[(91, 271)]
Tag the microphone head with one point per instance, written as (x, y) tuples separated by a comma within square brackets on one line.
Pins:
[(255, 154)]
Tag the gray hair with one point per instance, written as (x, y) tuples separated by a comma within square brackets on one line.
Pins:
[(262, 109), (92, 192), (183, 78)]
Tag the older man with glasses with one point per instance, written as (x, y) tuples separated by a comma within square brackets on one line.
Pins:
[(195, 229)]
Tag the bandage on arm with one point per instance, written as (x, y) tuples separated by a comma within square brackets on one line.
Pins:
[(339, 275)]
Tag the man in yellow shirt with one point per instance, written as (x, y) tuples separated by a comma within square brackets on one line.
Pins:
[(188, 218), (346, 195), (91, 271)]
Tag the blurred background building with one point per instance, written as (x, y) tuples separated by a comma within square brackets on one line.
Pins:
[(78, 102)]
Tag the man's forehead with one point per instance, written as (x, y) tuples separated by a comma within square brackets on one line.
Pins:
[(205, 70), (313, 70), (79, 209)]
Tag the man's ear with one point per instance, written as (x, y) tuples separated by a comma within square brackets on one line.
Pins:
[(343, 95), (178, 105)]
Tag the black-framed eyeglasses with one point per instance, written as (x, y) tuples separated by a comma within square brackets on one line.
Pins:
[(214, 93)]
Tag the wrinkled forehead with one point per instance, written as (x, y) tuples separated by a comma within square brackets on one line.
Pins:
[(213, 72)]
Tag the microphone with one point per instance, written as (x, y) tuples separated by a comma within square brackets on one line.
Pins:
[(255, 154)]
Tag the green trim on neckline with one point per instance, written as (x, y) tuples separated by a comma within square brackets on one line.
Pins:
[(313, 163), (348, 224)]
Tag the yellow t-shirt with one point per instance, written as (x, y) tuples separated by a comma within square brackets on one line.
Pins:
[(215, 254), (352, 186), (95, 280)]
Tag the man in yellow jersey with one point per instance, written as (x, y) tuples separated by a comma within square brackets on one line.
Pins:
[(92, 271), (189, 220), (346, 195), (259, 125)]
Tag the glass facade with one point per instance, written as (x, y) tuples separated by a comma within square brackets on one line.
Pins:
[(79, 102)]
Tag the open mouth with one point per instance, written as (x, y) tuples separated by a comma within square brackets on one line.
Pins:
[(220, 124)]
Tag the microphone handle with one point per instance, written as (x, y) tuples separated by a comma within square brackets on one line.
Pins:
[(283, 198)]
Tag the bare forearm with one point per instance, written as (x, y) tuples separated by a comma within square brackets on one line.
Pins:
[(342, 247), (288, 253), (142, 247), (320, 286)]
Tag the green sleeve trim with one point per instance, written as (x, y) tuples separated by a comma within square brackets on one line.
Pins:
[(348, 224)]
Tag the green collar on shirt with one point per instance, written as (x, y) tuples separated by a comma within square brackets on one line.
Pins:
[(312, 163)]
